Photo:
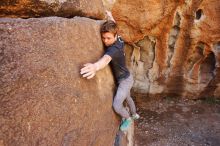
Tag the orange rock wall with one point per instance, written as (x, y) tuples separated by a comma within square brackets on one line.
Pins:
[(172, 46)]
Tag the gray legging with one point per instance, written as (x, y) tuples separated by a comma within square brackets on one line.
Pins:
[(123, 93)]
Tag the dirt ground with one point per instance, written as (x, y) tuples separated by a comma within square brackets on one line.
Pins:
[(169, 122)]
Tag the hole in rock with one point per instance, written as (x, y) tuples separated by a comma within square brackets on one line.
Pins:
[(207, 67), (199, 14)]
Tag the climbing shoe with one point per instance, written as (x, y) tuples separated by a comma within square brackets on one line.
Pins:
[(135, 116), (125, 124)]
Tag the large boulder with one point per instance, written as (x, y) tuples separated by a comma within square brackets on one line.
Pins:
[(43, 98), (171, 45), (44, 8)]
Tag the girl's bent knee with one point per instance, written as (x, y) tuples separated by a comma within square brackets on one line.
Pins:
[(116, 106)]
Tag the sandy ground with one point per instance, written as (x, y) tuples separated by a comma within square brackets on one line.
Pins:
[(169, 122)]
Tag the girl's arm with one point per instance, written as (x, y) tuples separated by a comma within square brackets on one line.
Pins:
[(109, 16), (90, 69)]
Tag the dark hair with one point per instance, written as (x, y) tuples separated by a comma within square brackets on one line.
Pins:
[(109, 26)]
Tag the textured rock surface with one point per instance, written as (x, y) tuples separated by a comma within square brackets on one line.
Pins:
[(173, 46), (43, 8), (108, 4), (43, 99)]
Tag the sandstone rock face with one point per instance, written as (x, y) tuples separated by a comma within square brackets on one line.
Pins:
[(44, 8), (173, 46), (43, 99), (108, 4)]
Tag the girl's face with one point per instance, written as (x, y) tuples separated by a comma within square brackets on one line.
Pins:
[(108, 38)]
